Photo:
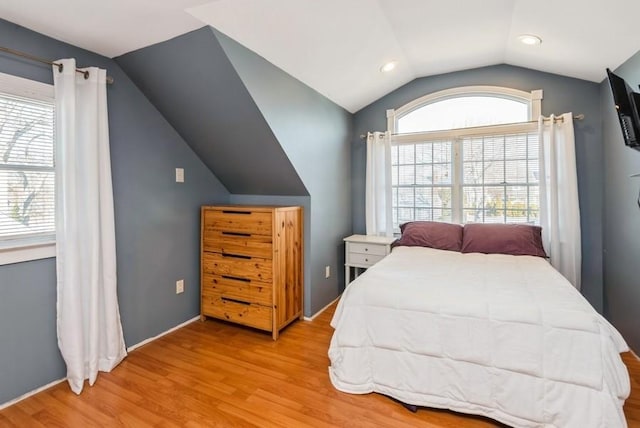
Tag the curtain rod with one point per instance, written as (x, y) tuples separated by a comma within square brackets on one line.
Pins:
[(44, 61), (558, 119)]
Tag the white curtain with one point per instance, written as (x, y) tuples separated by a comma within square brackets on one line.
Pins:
[(88, 319), (378, 186), (559, 209)]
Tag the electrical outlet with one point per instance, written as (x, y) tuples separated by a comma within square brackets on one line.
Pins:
[(327, 271), (179, 175), (180, 286)]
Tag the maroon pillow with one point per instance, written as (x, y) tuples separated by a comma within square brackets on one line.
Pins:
[(432, 234), (515, 239)]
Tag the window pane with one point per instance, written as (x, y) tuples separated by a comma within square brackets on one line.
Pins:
[(533, 146), (494, 148), (464, 112), (406, 155), (494, 216), (516, 146), (442, 214), (405, 215), (534, 198), (534, 171), (494, 172), (472, 216), (472, 197), (406, 174), (424, 174), (442, 197), (27, 176), (424, 214), (516, 204), (442, 152), (424, 153), (494, 195), (405, 197), (472, 173), (442, 174), (423, 197), (472, 149), (516, 171), (421, 183)]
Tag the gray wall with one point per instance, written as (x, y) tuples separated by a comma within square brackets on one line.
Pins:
[(314, 133), (263, 133), (621, 216), (191, 81), (157, 226), (561, 94)]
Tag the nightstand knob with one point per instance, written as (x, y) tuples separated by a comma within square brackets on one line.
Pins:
[(366, 249), (366, 260)]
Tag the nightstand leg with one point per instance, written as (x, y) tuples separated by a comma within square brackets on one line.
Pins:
[(347, 275)]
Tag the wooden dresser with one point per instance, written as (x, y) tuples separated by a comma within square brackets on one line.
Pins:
[(252, 265)]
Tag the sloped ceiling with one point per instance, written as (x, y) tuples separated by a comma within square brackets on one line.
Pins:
[(193, 84), (337, 46)]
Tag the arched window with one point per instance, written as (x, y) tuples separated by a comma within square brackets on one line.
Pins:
[(466, 155)]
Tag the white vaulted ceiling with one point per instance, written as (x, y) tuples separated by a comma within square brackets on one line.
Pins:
[(338, 46)]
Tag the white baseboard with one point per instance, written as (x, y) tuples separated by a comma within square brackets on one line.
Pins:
[(30, 393), (634, 354), (171, 330), (314, 316), (129, 349)]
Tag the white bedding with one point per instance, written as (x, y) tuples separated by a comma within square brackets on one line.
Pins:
[(501, 336)]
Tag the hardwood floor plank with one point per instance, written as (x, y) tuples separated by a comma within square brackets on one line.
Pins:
[(214, 374)]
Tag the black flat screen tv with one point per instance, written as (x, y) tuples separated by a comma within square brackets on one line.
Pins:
[(627, 103)]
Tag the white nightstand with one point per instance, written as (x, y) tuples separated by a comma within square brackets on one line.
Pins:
[(362, 251)]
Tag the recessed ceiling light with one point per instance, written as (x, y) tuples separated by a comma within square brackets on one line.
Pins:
[(388, 66), (529, 39)]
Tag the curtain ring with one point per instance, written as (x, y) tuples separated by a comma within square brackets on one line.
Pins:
[(86, 75), (60, 67)]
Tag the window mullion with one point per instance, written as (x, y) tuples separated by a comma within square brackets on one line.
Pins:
[(456, 182)]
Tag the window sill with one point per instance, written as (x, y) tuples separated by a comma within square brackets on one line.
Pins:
[(26, 251)]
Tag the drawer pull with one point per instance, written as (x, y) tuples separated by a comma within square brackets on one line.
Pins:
[(236, 234), (366, 249), (236, 256), (227, 299), (236, 212), (236, 278)]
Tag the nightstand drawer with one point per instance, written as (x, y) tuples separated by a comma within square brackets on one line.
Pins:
[(379, 250), (364, 260)]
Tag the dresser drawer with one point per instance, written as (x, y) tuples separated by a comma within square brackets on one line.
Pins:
[(242, 267), (363, 260), (245, 290), (379, 250), (241, 221), (240, 312), (240, 243)]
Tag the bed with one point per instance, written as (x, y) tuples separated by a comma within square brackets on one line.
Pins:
[(497, 335)]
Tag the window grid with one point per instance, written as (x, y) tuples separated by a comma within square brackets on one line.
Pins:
[(426, 193), (505, 190), (517, 202), (27, 171)]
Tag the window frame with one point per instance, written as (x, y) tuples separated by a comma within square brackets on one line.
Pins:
[(32, 247), (533, 99)]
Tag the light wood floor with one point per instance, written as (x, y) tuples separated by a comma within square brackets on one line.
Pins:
[(216, 374)]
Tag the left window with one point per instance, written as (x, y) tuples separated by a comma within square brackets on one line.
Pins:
[(27, 170)]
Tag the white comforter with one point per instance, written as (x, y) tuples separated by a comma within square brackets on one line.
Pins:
[(502, 336)]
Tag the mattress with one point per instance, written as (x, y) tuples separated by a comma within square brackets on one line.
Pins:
[(502, 336)]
